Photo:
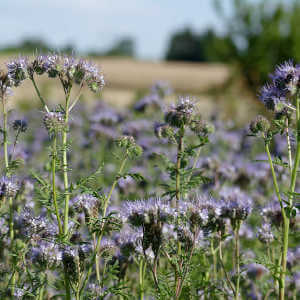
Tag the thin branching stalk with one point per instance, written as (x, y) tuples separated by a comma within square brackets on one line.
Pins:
[(178, 167), (76, 98), (186, 269), (230, 284), (106, 202), (237, 258), (214, 257), (65, 162), (53, 170), (277, 191), (39, 95), (180, 148), (288, 141), (141, 278), (286, 218), (66, 183)]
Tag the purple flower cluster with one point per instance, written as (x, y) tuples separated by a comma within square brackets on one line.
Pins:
[(236, 204), (139, 213), (285, 83), (67, 68), (8, 187)]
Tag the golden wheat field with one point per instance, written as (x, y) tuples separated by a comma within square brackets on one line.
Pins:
[(127, 79)]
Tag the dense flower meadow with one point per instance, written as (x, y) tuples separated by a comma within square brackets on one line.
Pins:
[(157, 201)]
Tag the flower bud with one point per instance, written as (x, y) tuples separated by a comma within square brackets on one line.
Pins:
[(54, 122), (260, 124), (20, 125)]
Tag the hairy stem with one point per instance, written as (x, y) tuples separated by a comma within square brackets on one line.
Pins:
[(65, 163), (286, 219), (289, 145), (180, 147), (237, 258), (224, 269), (54, 196), (106, 202), (141, 278), (39, 95)]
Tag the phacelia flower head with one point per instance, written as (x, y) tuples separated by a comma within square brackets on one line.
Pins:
[(17, 70), (20, 125), (286, 77), (88, 72), (139, 213), (236, 204), (201, 212), (285, 83), (45, 254), (5, 84), (180, 114), (265, 234), (87, 203), (271, 213), (8, 187), (39, 65)]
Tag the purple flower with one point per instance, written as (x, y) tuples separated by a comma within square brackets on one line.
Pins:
[(45, 254), (265, 234), (17, 70), (181, 113), (285, 82), (87, 203), (286, 77), (8, 187), (142, 212), (271, 96), (202, 212), (236, 204)]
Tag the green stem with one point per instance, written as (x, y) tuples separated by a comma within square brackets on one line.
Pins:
[(4, 130), (67, 285), (65, 163), (106, 202), (66, 184), (213, 252), (39, 95), (237, 259), (54, 156), (289, 145), (178, 166), (178, 193), (273, 174), (286, 219), (141, 279), (223, 267)]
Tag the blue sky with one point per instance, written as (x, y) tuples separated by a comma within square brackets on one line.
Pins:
[(96, 24)]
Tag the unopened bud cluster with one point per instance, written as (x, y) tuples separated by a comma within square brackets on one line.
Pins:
[(54, 122), (128, 143)]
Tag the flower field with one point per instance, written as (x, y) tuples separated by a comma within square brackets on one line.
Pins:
[(157, 197)]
